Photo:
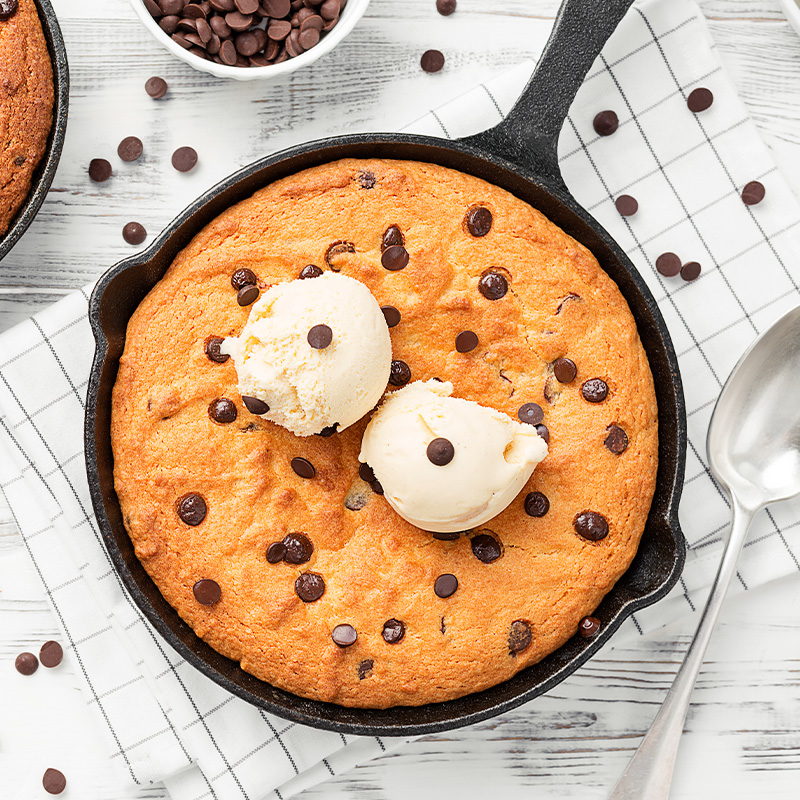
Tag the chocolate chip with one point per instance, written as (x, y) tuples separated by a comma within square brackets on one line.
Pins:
[(344, 635), (432, 60), (130, 148), (544, 432), (207, 592), (486, 548), (519, 636), (366, 179), (626, 205), (376, 487), (156, 87), (309, 587), (536, 504), (19, 161), (134, 233), (446, 536), (276, 552), (445, 7), (278, 8), (366, 473), (668, 264), (591, 525), (391, 315), (247, 295), (254, 405), (243, 277), (223, 410), (440, 452), (466, 341), (479, 221), (445, 585), (564, 300), (8, 8), (400, 373), (192, 508), (26, 663), (227, 55), (336, 249), (699, 100), (395, 257), (298, 548), (595, 390), (320, 337), (392, 237), (303, 467), (606, 123), (53, 780), (328, 430), (690, 271), (184, 159), (565, 370), (393, 631), (99, 170), (169, 24), (493, 285), (310, 271), (365, 668), (753, 193), (172, 6), (212, 349), (588, 627), (616, 439), (530, 413)]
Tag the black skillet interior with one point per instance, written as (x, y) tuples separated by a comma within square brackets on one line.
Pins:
[(528, 169), (45, 172)]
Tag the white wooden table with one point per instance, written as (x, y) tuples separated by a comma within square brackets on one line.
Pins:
[(743, 731)]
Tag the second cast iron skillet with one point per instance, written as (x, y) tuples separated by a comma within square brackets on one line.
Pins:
[(518, 155)]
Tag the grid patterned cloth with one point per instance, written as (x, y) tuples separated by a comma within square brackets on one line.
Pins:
[(166, 722)]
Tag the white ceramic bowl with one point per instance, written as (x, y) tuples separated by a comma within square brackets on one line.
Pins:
[(352, 13), (792, 11)]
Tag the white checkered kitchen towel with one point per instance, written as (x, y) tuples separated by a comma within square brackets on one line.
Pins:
[(685, 169)]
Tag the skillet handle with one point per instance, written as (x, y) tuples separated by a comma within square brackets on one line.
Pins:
[(528, 136)]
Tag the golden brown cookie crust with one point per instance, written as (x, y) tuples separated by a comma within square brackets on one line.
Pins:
[(26, 106), (376, 566)]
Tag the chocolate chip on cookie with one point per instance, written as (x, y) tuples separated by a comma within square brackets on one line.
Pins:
[(247, 295), (192, 508), (276, 552), (446, 536), (365, 473), (486, 548), (336, 249), (520, 636), (243, 277), (440, 452), (605, 123), (530, 413), (400, 373), (298, 548), (616, 440), (394, 258), (376, 487), (366, 178), (365, 668), (565, 370), (328, 430), (544, 432), (254, 405), (303, 467), (565, 300), (223, 411), (212, 350), (493, 285), (8, 8), (536, 504), (391, 315), (207, 592), (344, 635), (588, 627), (445, 585), (595, 390), (392, 237), (393, 631), (310, 271), (591, 525), (320, 337), (478, 221), (466, 341), (27, 663), (309, 587)]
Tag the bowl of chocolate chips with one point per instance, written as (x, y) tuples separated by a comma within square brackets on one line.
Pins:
[(248, 39)]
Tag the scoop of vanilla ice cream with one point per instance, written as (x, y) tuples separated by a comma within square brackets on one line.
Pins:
[(493, 457), (309, 389)]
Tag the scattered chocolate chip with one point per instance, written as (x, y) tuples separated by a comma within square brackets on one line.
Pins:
[(8, 8), (212, 350), (337, 249), (184, 159), (588, 627), (493, 285), (254, 405), (544, 432), (626, 205), (486, 548), (391, 315), (222, 410), (395, 257), (440, 452), (446, 536), (400, 373), (298, 548), (445, 585), (591, 525), (207, 592), (26, 663), (479, 221), (344, 635), (156, 87), (393, 631), (699, 100), (134, 233), (276, 552), (466, 341), (130, 148), (605, 123), (310, 271), (616, 440), (366, 179), (309, 587), (243, 277), (303, 467), (365, 668), (595, 390), (192, 508), (690, 271), (432, 60), (392, 237), (366, 473), (565, 370), (445, 7), (530, 413), (668, 264), (247, 295), (519, 636), (320, 337), (53, 780), (753, 193), (99, 170), (536, 504)]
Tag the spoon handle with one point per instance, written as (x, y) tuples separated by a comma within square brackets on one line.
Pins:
[(649, 773)]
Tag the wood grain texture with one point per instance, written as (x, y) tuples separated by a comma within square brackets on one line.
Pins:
[(742, 738)]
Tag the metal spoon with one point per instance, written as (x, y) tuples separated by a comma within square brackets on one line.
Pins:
[(754, 452)]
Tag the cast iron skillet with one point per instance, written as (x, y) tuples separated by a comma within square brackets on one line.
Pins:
[(520, 156), (44, 173)]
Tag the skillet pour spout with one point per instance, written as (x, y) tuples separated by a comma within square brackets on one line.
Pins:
[(519, 155)]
